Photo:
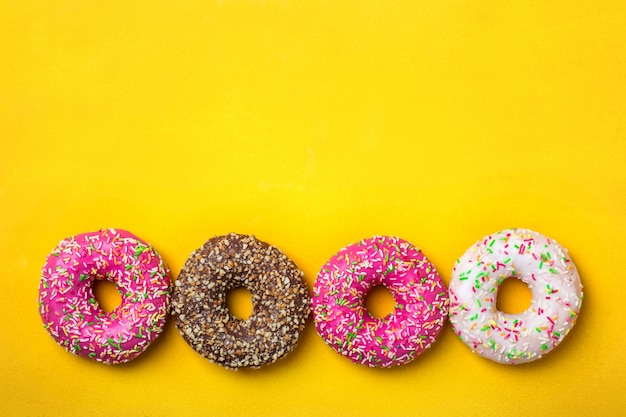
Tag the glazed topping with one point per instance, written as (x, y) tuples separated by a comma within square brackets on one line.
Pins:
[(280, 302)]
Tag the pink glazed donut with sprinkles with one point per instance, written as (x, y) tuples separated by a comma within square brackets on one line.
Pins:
[(539, 262), (421, 302), (70, 311)]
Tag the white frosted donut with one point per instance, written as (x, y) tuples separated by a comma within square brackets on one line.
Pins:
[(552, 278)]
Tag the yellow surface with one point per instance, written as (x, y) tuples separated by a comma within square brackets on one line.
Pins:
[(312, 124)]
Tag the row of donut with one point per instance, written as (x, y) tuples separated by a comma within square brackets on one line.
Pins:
[(281, 302)]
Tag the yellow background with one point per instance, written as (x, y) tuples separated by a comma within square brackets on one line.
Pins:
[(312, 124)]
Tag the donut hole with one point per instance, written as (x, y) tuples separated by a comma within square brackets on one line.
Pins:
[(514, 296), (107, 295), (379, 302), (239, 302)]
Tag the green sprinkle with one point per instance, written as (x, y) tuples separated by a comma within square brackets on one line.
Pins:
[(113, 343), (139, 250), (544, 346), (507, 260), (127, 267), (92, 355), (492, 242), (56, 254), (554, 271), (462, 278)]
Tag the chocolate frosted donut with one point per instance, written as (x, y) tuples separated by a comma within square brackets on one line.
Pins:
[(280, 302)]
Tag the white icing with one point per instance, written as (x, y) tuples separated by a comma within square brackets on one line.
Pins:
[(544, 266)]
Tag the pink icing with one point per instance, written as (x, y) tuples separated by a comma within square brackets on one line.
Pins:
[(71, 313), (421, 302)]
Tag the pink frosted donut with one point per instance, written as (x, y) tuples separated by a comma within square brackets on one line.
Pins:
[(421, 302), (71, 313)]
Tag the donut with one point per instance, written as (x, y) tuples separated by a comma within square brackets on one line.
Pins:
[(71, 313), (341, 319), (544, 266), (280, 302)]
